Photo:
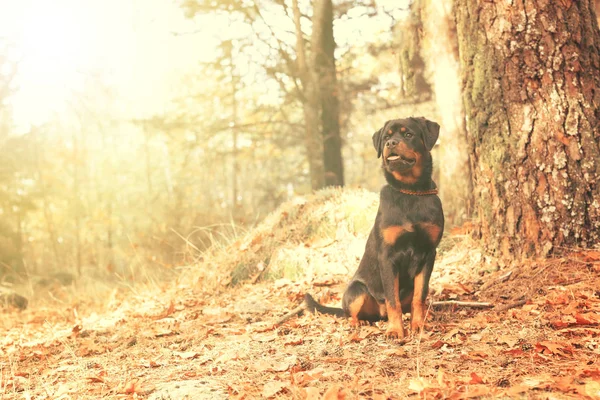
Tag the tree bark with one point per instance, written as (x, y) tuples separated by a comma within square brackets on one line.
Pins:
[(440, 50), (323, 48), (531, 91)]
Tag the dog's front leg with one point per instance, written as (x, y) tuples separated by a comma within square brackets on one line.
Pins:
[(391, 289), (421, 288)]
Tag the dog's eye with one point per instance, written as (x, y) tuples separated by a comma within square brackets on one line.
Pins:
[(408, 135)]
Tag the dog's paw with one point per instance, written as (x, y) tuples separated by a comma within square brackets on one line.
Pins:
[(356, 323), (417, 326), (395, 332)]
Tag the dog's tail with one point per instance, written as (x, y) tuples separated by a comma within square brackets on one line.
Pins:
[(312, 305)]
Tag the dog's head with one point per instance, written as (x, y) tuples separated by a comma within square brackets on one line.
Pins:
[(405, 145)]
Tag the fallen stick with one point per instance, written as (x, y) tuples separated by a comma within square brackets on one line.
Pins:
[(506, 307), (296, 311), (500, 279), (469, 304)]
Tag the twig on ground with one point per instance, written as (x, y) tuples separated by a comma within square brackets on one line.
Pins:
[(457, 303), (296, 311), (491, 283), (506, 307)]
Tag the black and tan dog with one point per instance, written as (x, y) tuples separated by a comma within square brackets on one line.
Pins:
[(393, 275)]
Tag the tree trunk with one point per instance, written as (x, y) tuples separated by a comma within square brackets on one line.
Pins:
[(308, 77), (598, 11), (531, 91), (323, 48), (440, 49), (414, 85)]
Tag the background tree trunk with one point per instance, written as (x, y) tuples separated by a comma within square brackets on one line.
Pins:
[(310, 92), (531, 91), (414, 85), (440, 49), (323, 48)]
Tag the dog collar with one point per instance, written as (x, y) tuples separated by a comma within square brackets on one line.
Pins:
[(413, 193)]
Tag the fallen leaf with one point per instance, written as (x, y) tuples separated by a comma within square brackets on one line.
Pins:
[(587, 319), (187, 355), (475, 379), (561, 324), (354, 337), (327, 281), (591, 373), (335, 393), (272, 366), (229, 356), (218, 319), (564, 383), (76, 329), (274, 387), (95, 379), (307, 376), (398, 351), (591, 255), (363, 333), (592, 389), (167, 312), (150, 364), (514, 390), (311, 393), (294, 342), (547, 347), (474, 391), (264, 338), (511, 341), (89, 347), (264, 328), (418, 384), (515, 352), (475, 356), (558, 298), (128, 387), (452, 333)]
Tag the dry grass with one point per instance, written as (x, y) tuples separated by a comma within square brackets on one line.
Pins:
[(323, 233)]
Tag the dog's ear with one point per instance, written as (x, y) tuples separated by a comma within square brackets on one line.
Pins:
[(378, 139), (431, 131)]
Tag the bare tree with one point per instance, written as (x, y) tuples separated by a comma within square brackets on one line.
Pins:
[(323, 48)]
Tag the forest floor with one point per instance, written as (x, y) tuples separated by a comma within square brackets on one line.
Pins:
[(191, 340)]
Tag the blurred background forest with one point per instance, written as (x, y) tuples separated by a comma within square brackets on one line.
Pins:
[(134, 134)]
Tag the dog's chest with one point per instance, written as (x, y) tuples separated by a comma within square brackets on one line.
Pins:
[(410, 219), (401, 208)]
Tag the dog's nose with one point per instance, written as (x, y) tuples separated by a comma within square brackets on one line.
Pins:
[(391, 143)]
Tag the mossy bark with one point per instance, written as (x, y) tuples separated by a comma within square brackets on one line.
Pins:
[(531, 91)]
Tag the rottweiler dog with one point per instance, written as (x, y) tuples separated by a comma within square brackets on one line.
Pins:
[(393, 274)]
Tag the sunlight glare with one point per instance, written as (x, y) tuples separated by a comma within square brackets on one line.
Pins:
[(52, 43)]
